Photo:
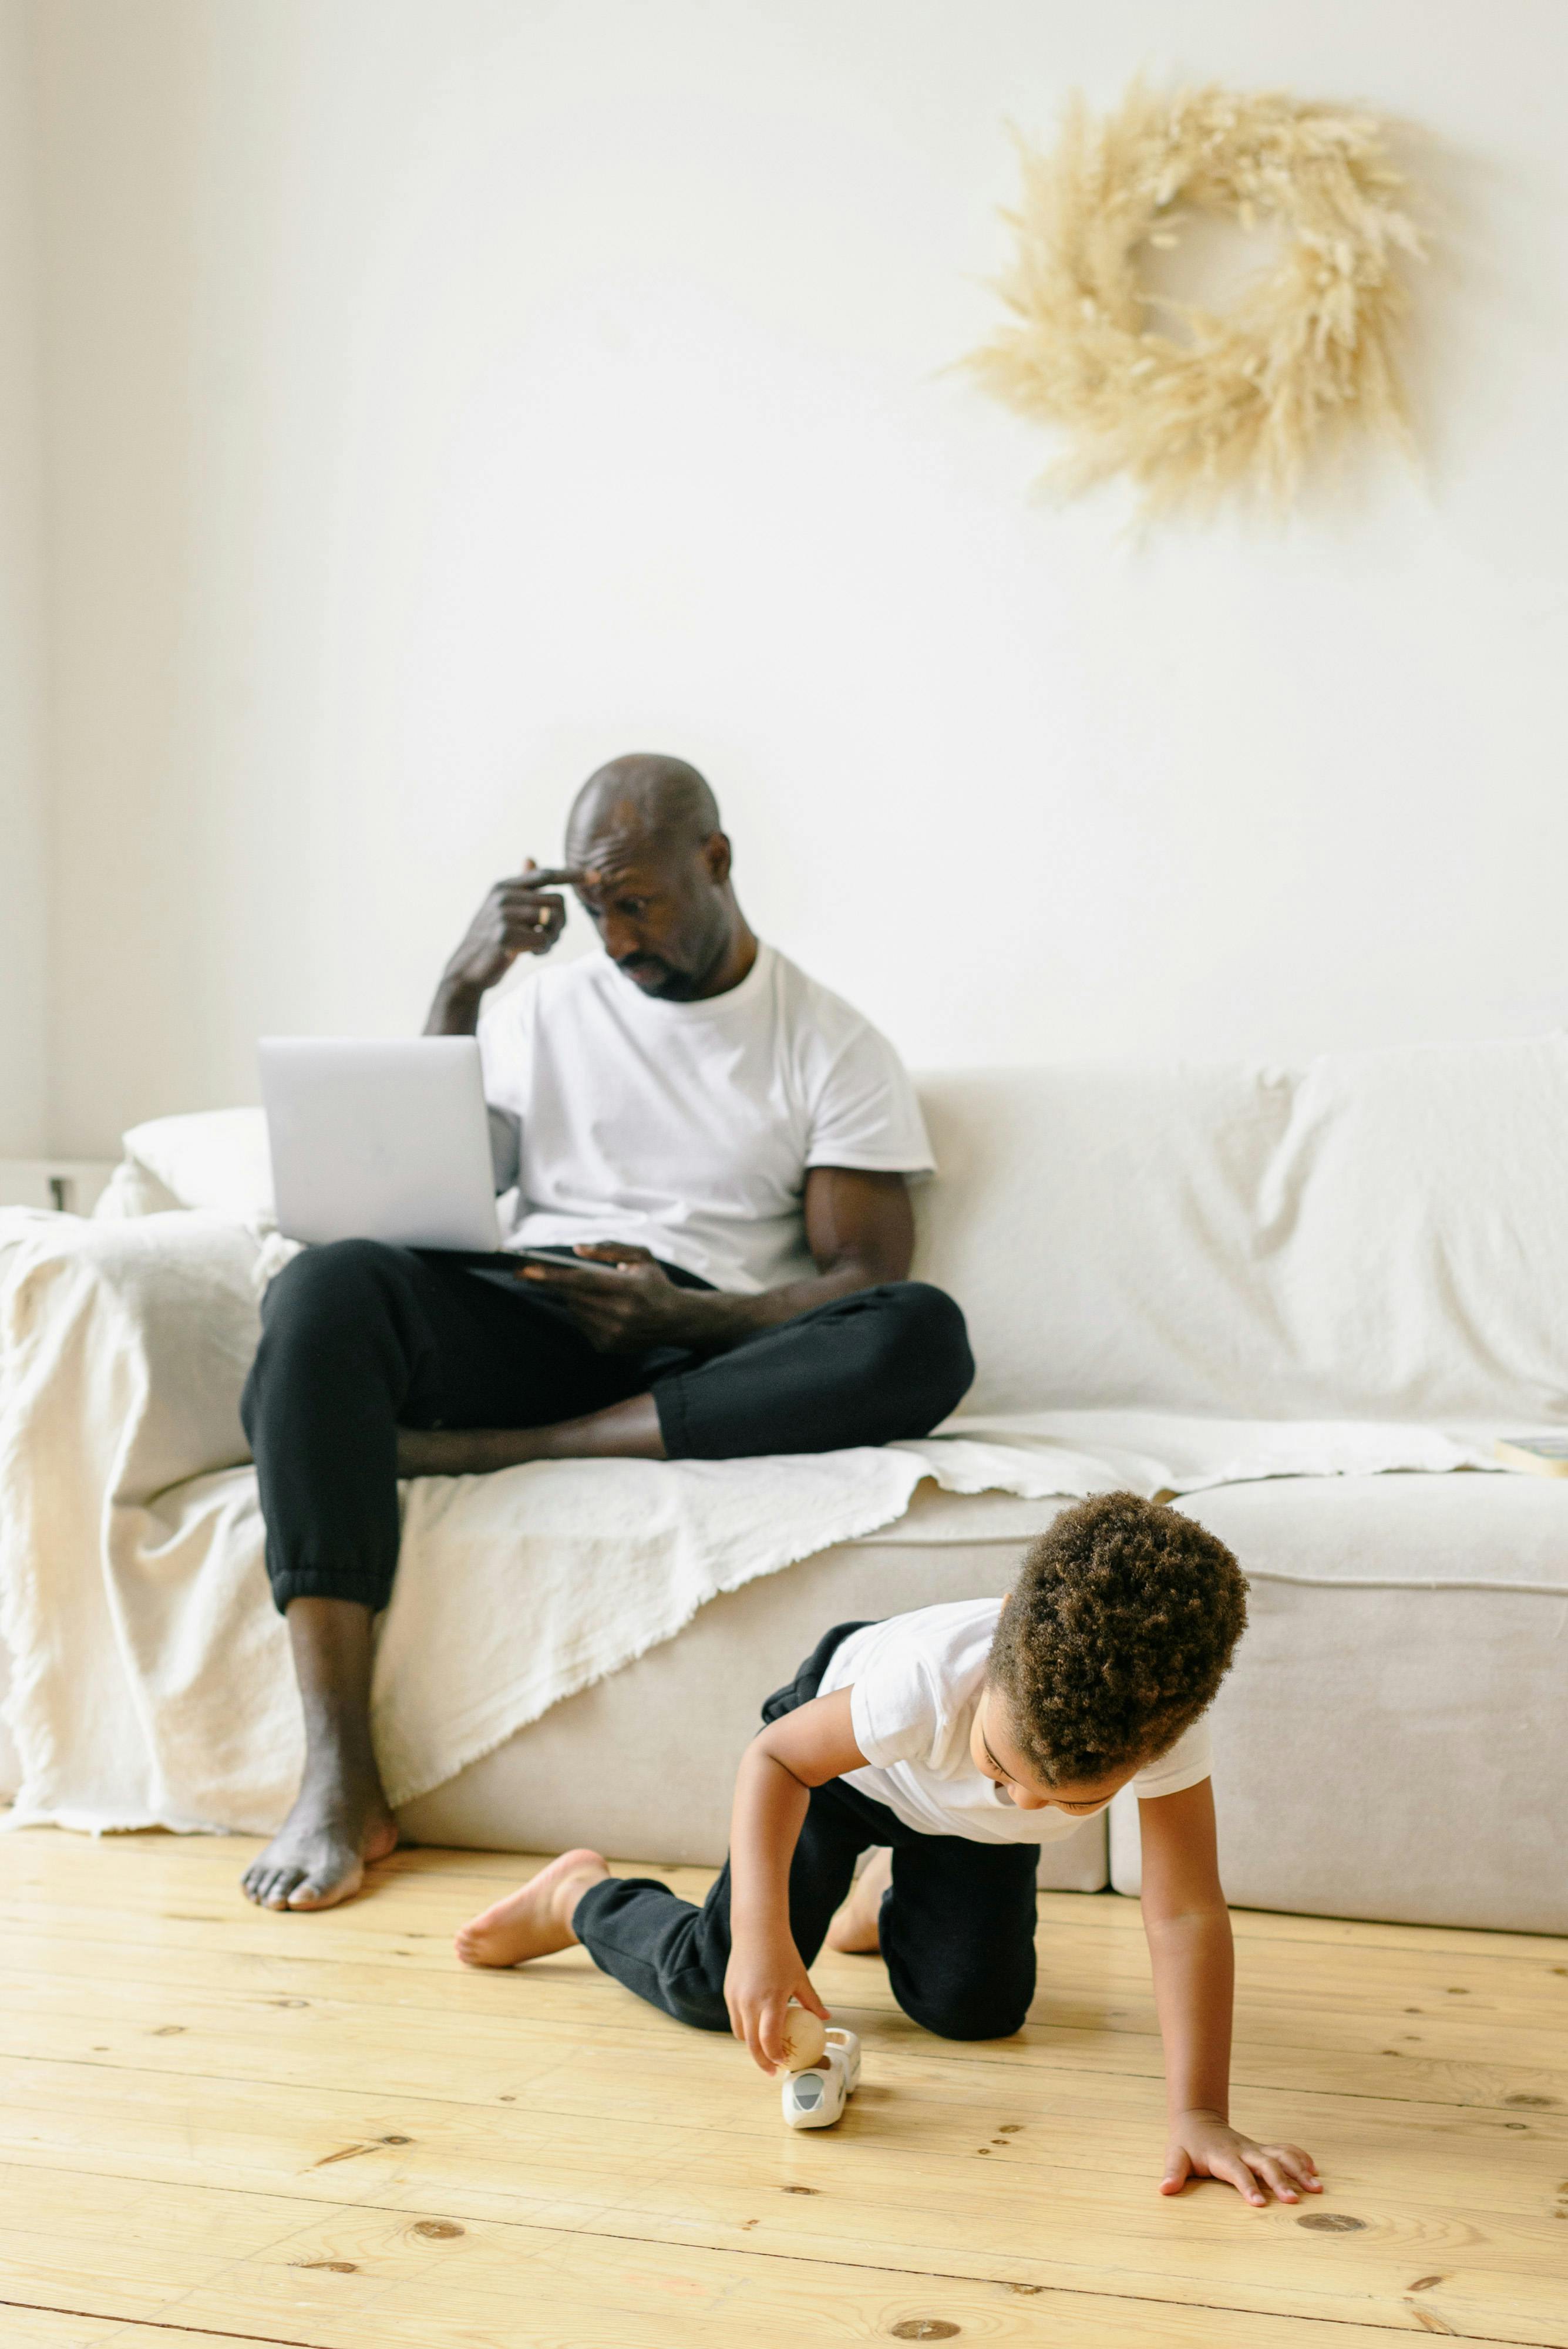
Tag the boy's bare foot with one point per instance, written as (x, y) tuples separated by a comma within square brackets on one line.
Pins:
[(319, 1855), (857, 1928), (537, 1919)]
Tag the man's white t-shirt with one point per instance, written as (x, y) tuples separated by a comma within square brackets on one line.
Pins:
[(688, 1128), (915, 1682)]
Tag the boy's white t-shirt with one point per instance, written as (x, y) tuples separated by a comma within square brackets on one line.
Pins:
[(688, 1128), (915, 1681)]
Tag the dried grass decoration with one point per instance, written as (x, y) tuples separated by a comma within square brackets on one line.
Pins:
[(1239, 402)]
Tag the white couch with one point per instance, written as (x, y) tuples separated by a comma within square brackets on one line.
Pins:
[(1380, 1237)]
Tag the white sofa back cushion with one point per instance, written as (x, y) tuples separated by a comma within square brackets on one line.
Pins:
[(1383, 1235)]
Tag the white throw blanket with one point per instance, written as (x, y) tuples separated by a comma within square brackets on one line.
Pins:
[(151, 1679)]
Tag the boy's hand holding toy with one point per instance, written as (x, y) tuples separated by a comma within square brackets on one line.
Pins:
[(761, 1980)]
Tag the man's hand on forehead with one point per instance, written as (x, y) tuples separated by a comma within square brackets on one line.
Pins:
[(528, 916), (522, 915)]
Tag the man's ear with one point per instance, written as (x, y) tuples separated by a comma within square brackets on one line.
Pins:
[(716, 856)]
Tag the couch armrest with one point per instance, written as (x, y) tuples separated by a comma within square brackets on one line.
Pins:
[(124, 1348)]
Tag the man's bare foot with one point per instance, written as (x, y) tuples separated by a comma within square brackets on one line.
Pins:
[(856, 1928), (319, 1855), (340, 1821), (537, 1919)]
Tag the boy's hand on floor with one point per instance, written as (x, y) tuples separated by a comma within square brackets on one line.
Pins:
[(1203, 2145), (759, 1984)]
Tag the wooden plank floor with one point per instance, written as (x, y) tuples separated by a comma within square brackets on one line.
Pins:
[(221, 2124)]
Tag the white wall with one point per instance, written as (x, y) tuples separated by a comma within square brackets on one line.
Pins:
[(448, 394), (23, 843)]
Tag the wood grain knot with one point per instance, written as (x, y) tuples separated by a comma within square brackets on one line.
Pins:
[(435, 2230), (924, 2328), (1331, 2222), (1536, 2104), (333, 2267)]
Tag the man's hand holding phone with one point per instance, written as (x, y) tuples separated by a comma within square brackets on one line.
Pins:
[(620, 1297)]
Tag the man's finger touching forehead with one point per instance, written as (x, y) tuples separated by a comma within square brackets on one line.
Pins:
[(555, 876)]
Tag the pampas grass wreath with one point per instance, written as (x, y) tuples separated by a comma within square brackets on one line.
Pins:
[(1242, 400)]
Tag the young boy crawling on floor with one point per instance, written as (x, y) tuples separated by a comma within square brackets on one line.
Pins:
[(956, 1741)]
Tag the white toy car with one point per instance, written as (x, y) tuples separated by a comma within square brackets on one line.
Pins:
[(816, 2098)]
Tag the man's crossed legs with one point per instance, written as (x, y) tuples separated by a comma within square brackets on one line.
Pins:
[(373, 1358)]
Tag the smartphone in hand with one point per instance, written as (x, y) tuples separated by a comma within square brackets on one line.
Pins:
[(559, 1256)]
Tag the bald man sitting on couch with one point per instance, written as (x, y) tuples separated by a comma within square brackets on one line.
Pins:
[(714, 1149)]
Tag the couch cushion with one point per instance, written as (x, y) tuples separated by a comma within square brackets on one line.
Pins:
[(1390, 1742), (1095, 1224), (1383, 1236), (214, 1158)]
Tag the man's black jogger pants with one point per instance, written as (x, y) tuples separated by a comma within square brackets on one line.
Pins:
[(359, 1338)]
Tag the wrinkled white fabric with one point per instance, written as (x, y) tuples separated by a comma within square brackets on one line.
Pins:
[(151, 1683), (1380, 1235), (147, 1688)]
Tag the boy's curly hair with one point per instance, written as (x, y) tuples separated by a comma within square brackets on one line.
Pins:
[(1117, 1632)]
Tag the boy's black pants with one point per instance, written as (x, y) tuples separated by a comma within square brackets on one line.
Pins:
[(359, 1338), (958, 1926)]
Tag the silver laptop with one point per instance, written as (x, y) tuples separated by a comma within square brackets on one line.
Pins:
[(380, 1141)]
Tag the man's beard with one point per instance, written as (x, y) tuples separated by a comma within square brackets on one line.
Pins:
[(654, 976)]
